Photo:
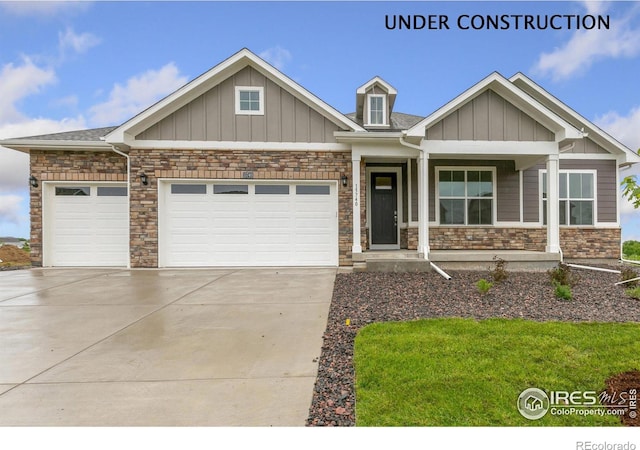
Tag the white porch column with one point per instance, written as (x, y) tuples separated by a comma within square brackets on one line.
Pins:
[(356, 246), (423, 204), (553, 202)]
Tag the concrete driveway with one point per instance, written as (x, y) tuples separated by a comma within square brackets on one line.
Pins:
[(209, 347)]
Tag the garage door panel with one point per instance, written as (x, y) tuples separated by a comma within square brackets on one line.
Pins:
[(89, 229), (263, 226)]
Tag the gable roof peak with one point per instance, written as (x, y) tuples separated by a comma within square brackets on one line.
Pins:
[(376, 80), (125, 133)]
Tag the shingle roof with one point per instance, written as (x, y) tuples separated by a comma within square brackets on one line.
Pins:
[(90, 135), (399, 121)]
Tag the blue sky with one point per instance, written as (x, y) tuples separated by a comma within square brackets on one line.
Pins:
[(76, 65)]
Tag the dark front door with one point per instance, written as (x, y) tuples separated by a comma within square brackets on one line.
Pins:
[(384, 209)]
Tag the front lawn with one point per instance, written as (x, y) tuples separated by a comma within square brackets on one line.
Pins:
[(464, 372)]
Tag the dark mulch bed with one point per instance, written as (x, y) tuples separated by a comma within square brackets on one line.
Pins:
[(380, 297), (628, 383)]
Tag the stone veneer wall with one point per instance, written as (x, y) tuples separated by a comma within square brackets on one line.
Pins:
[(575, 242), (229, 164), (67, 166)]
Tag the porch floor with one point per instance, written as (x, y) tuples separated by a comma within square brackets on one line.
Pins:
[(412, 261)]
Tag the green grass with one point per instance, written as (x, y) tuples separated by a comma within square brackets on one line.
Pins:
[(462, 372)]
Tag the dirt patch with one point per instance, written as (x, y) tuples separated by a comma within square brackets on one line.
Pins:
[(14, 256), (622, 389)]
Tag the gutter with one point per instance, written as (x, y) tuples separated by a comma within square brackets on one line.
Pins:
[(116, 150)]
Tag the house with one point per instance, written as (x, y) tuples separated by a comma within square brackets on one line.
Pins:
[(12, 241), (244, 167)]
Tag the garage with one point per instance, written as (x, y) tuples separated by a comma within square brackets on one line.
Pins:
[(86, 225), (247, 223)]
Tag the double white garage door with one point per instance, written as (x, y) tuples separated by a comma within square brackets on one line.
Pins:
[(200, 224), (248, 224)]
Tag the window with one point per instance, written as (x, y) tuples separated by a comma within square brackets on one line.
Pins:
[(305, 189), (230, 189), (250, 100), (110, 191), (188, 188), (81, 191), (272, 189), (465, 196), (576, 192), (377, 109)]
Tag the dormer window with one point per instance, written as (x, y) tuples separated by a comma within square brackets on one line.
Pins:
[(250, 100), (377, 107)]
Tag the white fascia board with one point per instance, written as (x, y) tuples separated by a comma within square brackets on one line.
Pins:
[(376, 80), (490, 148), (367, 136), (239, 145), (206, 81), (508, 90), (601, 136), (380, 150), (24, 145), (588, 156)]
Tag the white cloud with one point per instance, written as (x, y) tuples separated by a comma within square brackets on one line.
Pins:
[(19, 81), (79, 43), (624, 128), (277, 56), (137, 94), (587, 47), (43, 8), (595, 7), (10, 208)]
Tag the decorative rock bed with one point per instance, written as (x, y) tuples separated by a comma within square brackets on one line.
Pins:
[(364, 298)]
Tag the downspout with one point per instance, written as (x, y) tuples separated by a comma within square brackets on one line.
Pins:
[(417, 147), (116, 150)]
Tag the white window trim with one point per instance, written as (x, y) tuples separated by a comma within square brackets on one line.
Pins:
[(260, 90), (494, 198), (594, 172), (384, 110)]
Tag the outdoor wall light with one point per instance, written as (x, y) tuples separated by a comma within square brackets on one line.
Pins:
[(143, 179), (344, 180), (33, 181)]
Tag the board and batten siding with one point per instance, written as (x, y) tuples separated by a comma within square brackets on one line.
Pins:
[(488, 117), (507, 193), (212, 117), (606, 188)]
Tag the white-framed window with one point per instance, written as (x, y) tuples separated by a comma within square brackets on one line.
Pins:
[(377, 107), (250, 100), (577, 197), (466, 196)]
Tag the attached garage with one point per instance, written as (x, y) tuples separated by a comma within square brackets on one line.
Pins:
[(247, 223), (86, 224)]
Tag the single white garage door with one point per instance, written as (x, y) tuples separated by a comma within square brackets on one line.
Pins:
[(235, 223), (86, 225)]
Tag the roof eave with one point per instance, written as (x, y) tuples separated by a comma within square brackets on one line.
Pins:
[(23, 145), (601, 137)]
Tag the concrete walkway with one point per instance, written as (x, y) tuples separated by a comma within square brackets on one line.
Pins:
[(214, 347)]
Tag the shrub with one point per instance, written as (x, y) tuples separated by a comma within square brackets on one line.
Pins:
[(563, 275), (483, 286), (631, 248), (499, 272), (633, 292), (628, 273), (563, 291)]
